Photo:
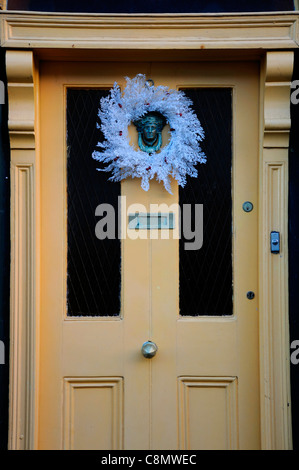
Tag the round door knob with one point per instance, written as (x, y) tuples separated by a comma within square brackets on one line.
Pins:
[(149, 349)]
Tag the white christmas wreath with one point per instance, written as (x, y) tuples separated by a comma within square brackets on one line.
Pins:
[(177, 159)]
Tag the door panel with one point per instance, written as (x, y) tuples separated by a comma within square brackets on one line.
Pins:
[(201, 390), (212, 401)]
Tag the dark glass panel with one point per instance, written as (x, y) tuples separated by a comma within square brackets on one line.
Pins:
[(206, 274), (93, 272)]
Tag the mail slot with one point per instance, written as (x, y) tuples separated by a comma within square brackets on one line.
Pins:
[(151, 221)]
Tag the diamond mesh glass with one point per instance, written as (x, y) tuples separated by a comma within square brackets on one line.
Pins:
[(93, 271), (206, 274)]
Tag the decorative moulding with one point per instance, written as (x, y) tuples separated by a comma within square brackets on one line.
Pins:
[(24, 251), (273, 272), (148, 31)]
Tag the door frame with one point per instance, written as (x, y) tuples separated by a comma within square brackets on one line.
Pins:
[(268, 38)]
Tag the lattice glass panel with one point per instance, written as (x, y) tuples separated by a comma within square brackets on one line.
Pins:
[(206, 286), (93, 272)]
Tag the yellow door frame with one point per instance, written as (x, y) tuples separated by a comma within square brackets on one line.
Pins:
[(270, 38)]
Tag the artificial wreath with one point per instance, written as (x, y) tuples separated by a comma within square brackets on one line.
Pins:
[(177, 159)]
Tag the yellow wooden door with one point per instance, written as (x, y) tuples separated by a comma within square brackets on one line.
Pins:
[(96, 390)]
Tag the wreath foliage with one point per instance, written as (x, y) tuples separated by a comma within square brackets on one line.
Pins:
[(176, 159)]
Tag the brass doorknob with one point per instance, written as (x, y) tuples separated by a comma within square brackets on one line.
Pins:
[(149, 349)]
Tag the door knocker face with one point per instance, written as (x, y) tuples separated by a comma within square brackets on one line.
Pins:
[(149, 129)]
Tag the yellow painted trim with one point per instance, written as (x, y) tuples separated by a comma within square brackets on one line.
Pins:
[(24, 250), (149, 31), (244, 32), (273, 206)]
